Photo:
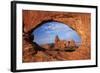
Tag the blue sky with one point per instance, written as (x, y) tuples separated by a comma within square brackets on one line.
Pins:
[(47, 32)]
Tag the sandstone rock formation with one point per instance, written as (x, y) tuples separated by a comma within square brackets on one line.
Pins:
[(80, 22)]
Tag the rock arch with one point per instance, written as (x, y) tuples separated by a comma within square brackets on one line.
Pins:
[(80, 22)]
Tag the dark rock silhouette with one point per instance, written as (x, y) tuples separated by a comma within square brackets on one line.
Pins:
[(37, 47)]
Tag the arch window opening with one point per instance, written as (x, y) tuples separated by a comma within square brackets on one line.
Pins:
[(56, 36)]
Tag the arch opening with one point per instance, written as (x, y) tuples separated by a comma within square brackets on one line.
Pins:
[(53, 35)]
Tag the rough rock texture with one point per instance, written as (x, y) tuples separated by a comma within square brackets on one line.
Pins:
[(80, 22)]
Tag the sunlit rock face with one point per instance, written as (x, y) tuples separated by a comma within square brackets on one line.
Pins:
[(80, 22)]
